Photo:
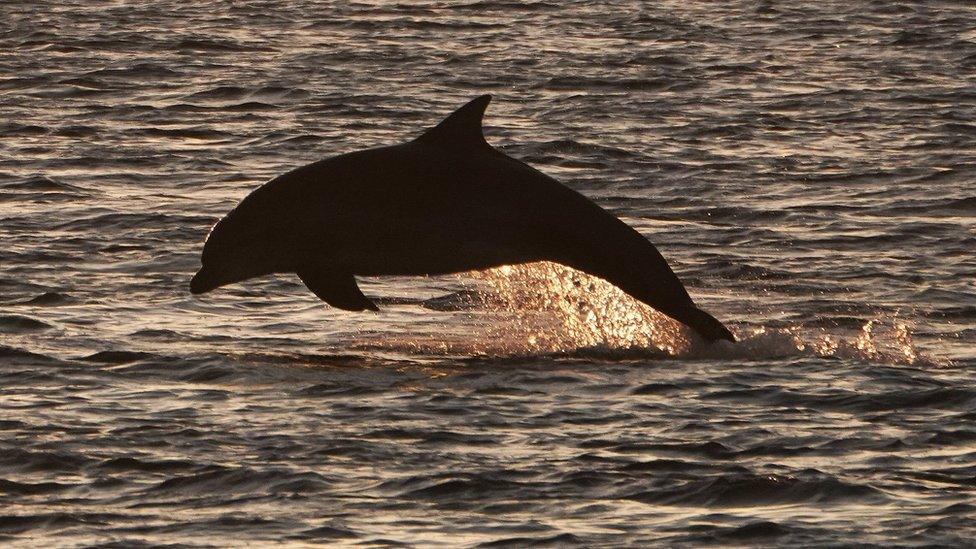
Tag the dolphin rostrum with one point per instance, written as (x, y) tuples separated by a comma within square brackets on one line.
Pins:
[(445, 202)]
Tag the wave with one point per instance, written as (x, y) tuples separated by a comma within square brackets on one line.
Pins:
[(754, 531), (129, 464), (965, 206), (205, 44), (240, 93), (41, 183), (11, 487), (55, 521), (582, 83), (506, 6), (222, 481), (49, 299), (405, 23), (195, 132), (451, 487), (558, 540), (138, 70), (128, 220), (751, 490), (326, 532), (18, 460), (117, 357), (23, 130), (20, 323), (945, 398)]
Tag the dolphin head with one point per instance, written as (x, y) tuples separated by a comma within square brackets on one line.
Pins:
[(240, 246)]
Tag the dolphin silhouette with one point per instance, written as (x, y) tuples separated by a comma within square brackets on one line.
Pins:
[(445, 202)]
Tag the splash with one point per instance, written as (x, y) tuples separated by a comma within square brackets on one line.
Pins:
[(546, 308), (550, 308), (882, 340)]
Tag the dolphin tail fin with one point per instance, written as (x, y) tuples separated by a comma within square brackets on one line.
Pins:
[(336, 289), (705, 324)]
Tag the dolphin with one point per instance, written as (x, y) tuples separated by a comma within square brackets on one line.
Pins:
[(445, 202)]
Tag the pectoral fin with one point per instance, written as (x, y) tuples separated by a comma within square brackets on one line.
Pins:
[(337, 289)]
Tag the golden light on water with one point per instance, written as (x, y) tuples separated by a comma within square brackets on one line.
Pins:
[(553, 309), (894, 344), (545, 307)]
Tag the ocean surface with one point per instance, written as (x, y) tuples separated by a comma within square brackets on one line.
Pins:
[(807, 168)]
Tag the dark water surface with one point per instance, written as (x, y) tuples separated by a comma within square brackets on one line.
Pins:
[(809, 170)]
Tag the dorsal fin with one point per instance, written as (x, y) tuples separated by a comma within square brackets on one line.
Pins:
[(462, 127)]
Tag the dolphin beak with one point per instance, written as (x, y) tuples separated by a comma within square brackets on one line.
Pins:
[(201, 283)]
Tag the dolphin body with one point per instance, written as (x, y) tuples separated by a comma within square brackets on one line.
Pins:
[(445, 202)]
